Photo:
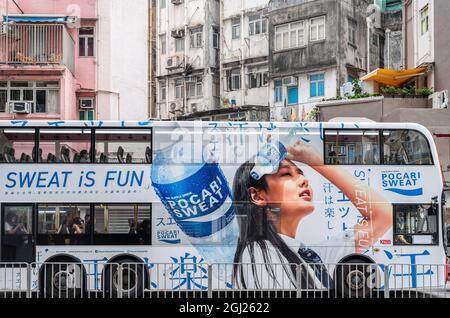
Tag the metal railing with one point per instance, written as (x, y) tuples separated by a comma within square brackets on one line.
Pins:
[(36, 44), (191, 280)]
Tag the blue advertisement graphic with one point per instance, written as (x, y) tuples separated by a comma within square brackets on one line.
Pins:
[(402, 183)]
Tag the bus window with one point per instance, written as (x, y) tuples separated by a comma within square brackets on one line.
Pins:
[(352, 147), (16, 145), (65, 146), (406, 147), (415, 224), (63, 224), (122, 224), (123, 146)]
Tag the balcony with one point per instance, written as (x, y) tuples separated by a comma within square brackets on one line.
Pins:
[(36, 44)]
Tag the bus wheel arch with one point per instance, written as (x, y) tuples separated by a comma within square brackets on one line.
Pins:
[(354, 276), (135, 276), (59, 279)]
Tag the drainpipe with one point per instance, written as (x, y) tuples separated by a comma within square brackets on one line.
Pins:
[(150, 59), (404, 35), (388, 49), (242, 56), (369, 25)]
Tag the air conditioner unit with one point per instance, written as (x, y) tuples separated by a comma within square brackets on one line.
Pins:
[(86, 103), (176, 2), (291, 80), (177, 33), (21, 107), (175, 107), (175, 62), (439, 100)]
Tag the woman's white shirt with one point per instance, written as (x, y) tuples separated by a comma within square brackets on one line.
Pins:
[(278, 275)]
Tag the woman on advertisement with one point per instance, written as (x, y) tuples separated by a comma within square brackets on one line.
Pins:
[(270, 210)]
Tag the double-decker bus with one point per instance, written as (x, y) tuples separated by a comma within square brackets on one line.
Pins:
[(101, 192)]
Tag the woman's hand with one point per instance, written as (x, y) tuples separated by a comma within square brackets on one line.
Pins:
[(304, 153)]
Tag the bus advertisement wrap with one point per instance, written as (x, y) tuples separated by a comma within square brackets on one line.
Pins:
[(294, 194)]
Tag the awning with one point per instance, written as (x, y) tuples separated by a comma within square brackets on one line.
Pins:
[(393, 77), (37, 19)]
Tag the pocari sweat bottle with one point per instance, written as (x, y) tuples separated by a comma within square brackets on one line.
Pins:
[(197, 196), (270, 155)]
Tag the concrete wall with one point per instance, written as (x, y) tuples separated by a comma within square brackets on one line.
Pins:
[(375, 108), (442, 47), (123, 60), (314, 55)]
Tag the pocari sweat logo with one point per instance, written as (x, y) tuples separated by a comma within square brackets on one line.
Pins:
[(402, 183)]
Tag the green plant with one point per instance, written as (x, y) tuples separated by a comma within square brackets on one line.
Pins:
[(424, 91), (408, 90), (357, 89), (389, 90), (313, 114)]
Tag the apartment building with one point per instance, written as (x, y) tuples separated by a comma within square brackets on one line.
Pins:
[(315, 47), (67, 60), (187, 74), (244, 59)]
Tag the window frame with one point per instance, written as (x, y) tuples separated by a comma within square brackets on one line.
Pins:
[(196, 37), (380, 146), (424, 20), (312, 26), (316, 82), (42, 239), (236, 29), (288, 30), (92, 141), (394, 233), (85, 38)]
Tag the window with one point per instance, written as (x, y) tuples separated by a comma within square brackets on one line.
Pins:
[(278, 91), (18, 233), (86, 115), (297, 34), (406, 147), (317, 85), (162, 43), (3, 98), (292, 92), (350, 147), (257, 24), (258, 79), (415, 224), (194, 88), (17, 145), (352, 32), (216, 38), (121, 224), (179, 88), (162, 4), (424, 20), (86, 41), (65, 146), (43, 96), (375, 39), (64, 224), (290, 35), (162, 91), (317, 29), (236, 28), (123, 146), (196, 37), (179, 45), (234, 79), (282, 37)]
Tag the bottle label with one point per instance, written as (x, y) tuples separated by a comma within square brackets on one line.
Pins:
[(201, 204), (268, 160)]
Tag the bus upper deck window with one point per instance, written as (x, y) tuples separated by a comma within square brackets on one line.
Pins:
[(352, 147), (406, 147), (123, 146), (65, 145), (17, 145)]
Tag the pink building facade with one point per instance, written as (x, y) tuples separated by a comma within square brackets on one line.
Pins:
[(48, 67)]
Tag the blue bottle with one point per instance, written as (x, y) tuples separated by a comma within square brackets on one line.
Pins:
[(197, 196)]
